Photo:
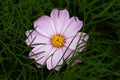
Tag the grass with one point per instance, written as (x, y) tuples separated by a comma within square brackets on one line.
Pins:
[(101, 60)]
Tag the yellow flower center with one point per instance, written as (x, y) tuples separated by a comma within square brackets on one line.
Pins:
[(58, 40)]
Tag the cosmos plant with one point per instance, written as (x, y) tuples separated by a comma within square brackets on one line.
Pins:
[(55, 38)]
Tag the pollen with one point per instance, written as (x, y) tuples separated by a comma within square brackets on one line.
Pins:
[(58, 40)]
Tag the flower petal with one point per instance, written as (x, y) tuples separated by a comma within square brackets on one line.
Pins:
[(67, 52), (68, 55), (83, 37), (55, 59), (45, 26), (35, 38), (60, 18), (40, 53), (72, 26), (76, 62), (58, 68)]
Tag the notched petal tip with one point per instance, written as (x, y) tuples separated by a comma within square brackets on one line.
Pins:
[(56, 13), (57, 68), (78, 20), (39, 20), (85, 37), (49, 67), (63, 14), (28, 32), (38, 65), (76, 62), (27, 42), (54, 10)]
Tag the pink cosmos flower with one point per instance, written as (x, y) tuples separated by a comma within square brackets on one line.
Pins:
[(55, 38)]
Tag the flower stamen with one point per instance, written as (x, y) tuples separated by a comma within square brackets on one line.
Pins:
[(57, 40)]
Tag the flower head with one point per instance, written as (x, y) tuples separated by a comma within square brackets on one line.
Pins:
[(55, 38)]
